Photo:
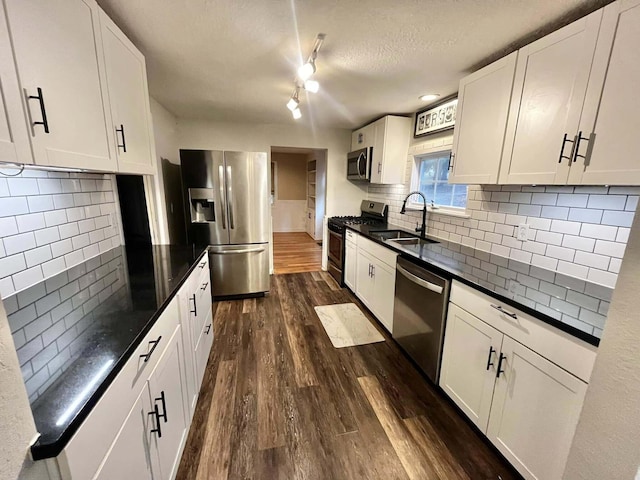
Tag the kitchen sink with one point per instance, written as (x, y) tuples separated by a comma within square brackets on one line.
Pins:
[(392, 235), (406, 242)]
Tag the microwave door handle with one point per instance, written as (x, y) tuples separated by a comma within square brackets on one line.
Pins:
[(224, 205), (230, 197), (358, 164)]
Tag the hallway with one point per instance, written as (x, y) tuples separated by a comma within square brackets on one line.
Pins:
[(295, 252)]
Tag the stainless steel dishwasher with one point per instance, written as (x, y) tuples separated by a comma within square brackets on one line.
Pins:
[(419, 315)]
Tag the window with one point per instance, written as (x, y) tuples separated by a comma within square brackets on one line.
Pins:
[(430, 176)]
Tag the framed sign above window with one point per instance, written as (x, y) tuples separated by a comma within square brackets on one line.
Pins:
[(437, 118)]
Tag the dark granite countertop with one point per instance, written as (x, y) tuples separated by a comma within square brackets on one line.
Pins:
[(575, 306), (125, 291)]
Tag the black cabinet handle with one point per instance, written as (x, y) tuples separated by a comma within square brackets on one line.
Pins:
[(562, 155), (154, 344), (202, 264), (208, 329), (158, 428), (43, 110), (204, 286), (576, 150), (195, 305), (124, 141), (451, 157), (162, 399), (502, 310), (489, 362), (502, 357)]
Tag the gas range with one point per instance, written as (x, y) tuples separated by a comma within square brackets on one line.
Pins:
[(372, 213)]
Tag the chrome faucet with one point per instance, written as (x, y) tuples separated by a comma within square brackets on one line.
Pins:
[(403, 210)]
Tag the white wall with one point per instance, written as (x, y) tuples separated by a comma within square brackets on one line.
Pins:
[(343, 197), (16, 421), (607, 440)]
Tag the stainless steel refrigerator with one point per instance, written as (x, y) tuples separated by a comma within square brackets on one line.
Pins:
[(227, 203)]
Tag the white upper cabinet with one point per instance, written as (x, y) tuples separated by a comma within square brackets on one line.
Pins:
[(548, 95), (481, 122), (390, 149), (363, 137), (57, 49), (14, 139), (129, 100), (608, 152)]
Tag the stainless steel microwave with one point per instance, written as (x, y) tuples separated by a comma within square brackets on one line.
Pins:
[(359, 164)]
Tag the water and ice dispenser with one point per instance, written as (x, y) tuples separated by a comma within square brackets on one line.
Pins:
[(202, 205)]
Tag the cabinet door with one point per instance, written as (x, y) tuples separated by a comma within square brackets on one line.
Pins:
[(57, 49), (364, 281), (129, 100), (608, 153), (133, 453), (350, 261), (481, 121), (384, 288), (469, 359), (14, 139), (535, 411), (378, 132), (166, 385), (203, 349), (548, 94)]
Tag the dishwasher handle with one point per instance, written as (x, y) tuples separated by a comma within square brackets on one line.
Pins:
[(419, 281)]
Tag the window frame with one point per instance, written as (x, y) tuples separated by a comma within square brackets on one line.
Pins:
[(416, 153)]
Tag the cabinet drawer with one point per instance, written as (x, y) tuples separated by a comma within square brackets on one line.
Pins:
[(101, 427), (351, 236), (566, 351), (203, 347), (203, 305), (381, 253)]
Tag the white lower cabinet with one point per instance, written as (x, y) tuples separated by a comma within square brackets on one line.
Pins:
[(468, 371), (131, 455), (526, 404), (139, 427), (370, 272), (535, 411)]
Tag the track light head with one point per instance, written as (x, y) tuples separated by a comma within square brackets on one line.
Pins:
[(306, 70), (297, 113), (292, 104), (311, 86)]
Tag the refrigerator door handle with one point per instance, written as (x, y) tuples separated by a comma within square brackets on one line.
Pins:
[(230, 197), (235, 252), (224, 205)]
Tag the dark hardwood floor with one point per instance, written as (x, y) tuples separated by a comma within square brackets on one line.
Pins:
[(280, 402)]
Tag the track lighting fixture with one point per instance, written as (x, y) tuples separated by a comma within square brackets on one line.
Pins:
[(303, 79)]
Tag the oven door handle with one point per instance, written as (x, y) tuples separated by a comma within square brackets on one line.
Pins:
[(419, 281)]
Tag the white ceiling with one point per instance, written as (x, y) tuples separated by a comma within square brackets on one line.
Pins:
[(235, 60)]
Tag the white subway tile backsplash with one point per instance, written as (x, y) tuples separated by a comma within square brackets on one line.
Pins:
[(87, 225), (71, 185), (544, 198), (74, 258), (585, 215), (572, 200), (12, 264), (521, 255), (8, 226), (28, 277), (31, 222), (615, 264), (49, 185), (632, 204), (561, 213), (607, 202), (41, 203), (539, 223), (69, 230), (563, 226), (61, 248), (75, 214), (63, 200), (551, 238), (19, 243), (45, 236), (561, 253), (38, 255), (55, 217), (622, 236), (592, 260), (620, 219), (519, 197), (607, 279), (54, 266), (572, 269), (611, 249), (598, 231), (22, 186), (529, 210), (11, 206), (579, 243), (4, 187)]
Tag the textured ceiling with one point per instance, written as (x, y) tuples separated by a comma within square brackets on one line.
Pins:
[(234, 60)]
